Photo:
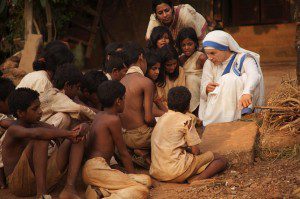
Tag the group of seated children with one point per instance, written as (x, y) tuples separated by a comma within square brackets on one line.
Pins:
[(49, 134), (138, 107)]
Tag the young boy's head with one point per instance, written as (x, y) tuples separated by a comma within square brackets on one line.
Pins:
[(6, 87), (111, 48), (115, 67), (135, 55), (111, 94), (68, 78), (24, 104), (179, 99), (91, 81)]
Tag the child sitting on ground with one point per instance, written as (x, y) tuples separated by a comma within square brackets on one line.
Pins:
[(88, 95), (25, 150), (57, 103), (153, 70), (6, 87), (173, 137), (105, 136), (171, 74)]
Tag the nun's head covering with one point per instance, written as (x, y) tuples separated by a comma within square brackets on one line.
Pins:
[(221, 40)]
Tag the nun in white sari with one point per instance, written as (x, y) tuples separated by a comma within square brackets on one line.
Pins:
[(232, 80)]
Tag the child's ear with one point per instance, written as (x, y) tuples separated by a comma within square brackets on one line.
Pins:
[(20, 113)]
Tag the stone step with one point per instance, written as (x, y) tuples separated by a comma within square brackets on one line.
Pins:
[(234, 140)]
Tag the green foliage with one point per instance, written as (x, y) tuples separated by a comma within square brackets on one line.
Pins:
[(12, 23)]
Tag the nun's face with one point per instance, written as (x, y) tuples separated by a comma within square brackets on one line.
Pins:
[(216, 56)]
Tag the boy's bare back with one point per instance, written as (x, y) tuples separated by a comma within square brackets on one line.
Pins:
[(138, 103), (105, 130)]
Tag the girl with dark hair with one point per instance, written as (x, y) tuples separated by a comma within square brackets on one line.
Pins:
[(153, 70), (160, 36), (55, 54), (192, 61), (175, 18), (171, 74)]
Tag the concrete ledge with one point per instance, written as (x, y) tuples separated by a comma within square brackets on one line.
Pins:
[(234, 140)]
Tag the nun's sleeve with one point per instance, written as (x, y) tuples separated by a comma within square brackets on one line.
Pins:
[(253, 77), (207, 76)]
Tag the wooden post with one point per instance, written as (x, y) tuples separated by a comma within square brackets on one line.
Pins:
[(28, 18)]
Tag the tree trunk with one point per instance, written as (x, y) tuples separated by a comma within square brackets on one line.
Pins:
[(49, 21), (28, 18)]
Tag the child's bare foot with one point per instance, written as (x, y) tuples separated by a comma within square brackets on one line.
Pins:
[(68, 193)]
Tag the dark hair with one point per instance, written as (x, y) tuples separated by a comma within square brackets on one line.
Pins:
[(21, 99), (179, 98), (114, 62), (132, 52), (152, 58), (112, 47), (155, 3), (6, 87), (109, 91), (91, 80), (167, 53), (186, 33), (158, 33), (67, 73), (55, 54)]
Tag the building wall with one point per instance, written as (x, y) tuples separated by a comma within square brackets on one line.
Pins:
[(274, 43)]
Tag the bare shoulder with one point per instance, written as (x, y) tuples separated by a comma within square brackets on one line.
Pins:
[(147, 83), (201, 59)]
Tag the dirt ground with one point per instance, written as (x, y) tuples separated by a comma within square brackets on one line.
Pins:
[(264, 179)]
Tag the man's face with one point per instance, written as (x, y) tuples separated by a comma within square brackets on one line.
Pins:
[(164, 13), (216, 56), (33, 114)]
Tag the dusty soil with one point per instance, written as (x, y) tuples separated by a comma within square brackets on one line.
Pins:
[(264, 179), (268, 179)]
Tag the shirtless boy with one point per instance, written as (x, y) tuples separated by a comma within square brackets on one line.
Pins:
[(137, 117), (105, 135), (6, 87), (25, 150)]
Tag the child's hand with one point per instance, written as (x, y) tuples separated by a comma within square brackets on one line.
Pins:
[(83, 129)]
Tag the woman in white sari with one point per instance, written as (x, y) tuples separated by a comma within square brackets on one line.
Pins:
[(176, 18), (232, 80)]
